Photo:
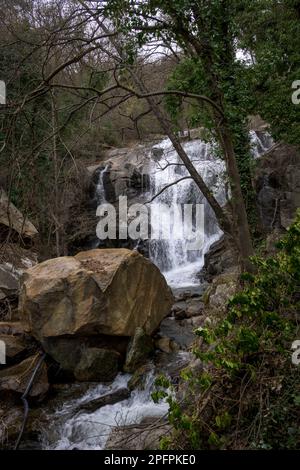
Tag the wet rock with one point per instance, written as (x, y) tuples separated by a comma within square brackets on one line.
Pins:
[(97, 365), (182, 293), (171, 364), (15, 379), (178, 331), (179, 310), (9, 281), (139, 377), (67, 351), (109, 399), (139, 349), (166, 345), (277, 183), (220, 258), (194, 308)]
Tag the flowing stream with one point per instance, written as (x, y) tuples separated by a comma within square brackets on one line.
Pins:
[(90, 431), (79, 430)]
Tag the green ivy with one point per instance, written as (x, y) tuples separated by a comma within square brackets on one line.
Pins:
[(256, 334)]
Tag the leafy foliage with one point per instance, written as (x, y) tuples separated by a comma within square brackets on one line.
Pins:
[(273, 41), (248, 388)]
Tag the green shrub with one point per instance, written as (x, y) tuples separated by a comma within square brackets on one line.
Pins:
[(248, 393)]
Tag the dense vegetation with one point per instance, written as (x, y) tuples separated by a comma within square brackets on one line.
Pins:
[(82, 76), (248, 393)]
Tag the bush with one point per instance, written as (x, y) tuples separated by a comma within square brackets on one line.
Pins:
[(248, 395)]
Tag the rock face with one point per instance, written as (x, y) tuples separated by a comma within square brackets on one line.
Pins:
[(15, 379), (277, 183), (97, 365), (126, 172), (110, 292), (220, 291), (220, 258), (138, 351)]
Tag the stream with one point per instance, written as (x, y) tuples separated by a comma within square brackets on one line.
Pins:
[(68, 429)]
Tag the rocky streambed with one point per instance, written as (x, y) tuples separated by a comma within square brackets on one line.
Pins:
[(94, 388)]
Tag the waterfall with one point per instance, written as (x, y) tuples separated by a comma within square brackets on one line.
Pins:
[(170, 249), (100, 188), (261, 142), (179, 264)]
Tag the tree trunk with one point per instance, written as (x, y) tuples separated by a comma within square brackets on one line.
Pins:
[(238, 204)]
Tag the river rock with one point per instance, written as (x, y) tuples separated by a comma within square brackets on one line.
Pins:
[(97, 365), (194, 308), (109, 291), (145, 435), (179, 332), (15, 379), (109, 399), (138, 380), (139, 348)]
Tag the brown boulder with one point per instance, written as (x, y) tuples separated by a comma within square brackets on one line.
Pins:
[(109, 291)]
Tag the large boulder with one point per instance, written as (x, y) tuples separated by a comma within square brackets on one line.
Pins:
[(97, 292)]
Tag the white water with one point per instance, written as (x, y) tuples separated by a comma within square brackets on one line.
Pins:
[(100, 189), (173, 256), (179, 264), (90, 431)]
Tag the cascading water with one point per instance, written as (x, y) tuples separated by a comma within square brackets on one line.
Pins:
[(100, 188), (70, 429), (79, 430), (172, 255)]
